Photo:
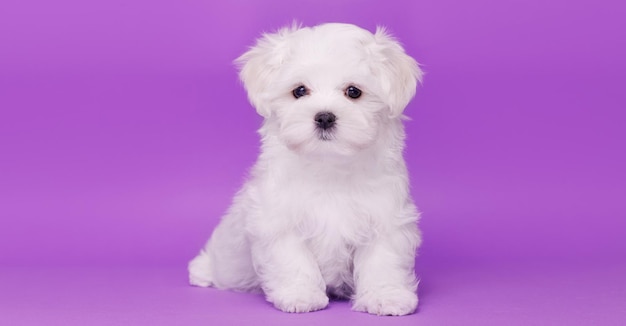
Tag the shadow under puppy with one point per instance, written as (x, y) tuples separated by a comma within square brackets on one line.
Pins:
[(326, 210)]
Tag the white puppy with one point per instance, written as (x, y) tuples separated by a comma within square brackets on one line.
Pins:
[(326, 210)]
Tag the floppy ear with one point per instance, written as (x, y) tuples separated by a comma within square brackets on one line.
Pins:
[(399, 72), (259, 65)]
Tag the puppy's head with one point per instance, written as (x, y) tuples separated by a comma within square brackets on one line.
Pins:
[(329, 88)]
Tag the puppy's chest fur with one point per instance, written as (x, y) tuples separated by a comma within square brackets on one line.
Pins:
[(327, 204), (333, 222), (334, 212)]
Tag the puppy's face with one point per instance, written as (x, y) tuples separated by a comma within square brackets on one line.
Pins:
[(330, 88)]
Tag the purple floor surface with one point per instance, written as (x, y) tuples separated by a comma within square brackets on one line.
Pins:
[(450, 294)]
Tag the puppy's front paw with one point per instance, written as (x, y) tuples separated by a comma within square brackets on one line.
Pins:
[(299, 300), (387, 301)]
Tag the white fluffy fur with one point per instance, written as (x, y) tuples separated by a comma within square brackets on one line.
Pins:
[(323, 217)]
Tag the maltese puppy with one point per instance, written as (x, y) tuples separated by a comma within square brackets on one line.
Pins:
[(326, 210)]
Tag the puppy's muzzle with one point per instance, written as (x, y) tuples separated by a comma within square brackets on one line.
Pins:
[(325, 120)]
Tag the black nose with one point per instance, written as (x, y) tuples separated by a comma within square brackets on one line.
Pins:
[(325, 120)]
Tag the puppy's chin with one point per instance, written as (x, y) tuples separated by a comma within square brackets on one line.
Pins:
[(320, 144), (320, 149)]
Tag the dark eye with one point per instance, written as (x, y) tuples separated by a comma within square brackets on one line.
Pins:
[(353, 92), (300, 91)]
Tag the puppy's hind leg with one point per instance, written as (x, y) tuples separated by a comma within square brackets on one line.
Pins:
[(225, 261), (200, 270)]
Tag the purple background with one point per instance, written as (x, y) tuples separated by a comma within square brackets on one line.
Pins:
[(124, 133)]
